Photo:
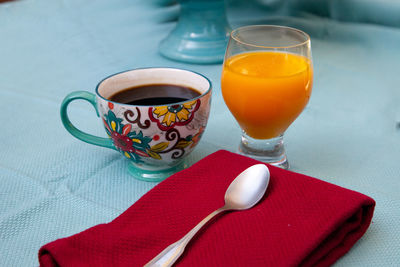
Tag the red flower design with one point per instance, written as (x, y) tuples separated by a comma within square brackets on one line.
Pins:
[(123, 142)]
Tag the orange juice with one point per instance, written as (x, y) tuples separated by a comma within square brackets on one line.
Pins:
[(266, 91)]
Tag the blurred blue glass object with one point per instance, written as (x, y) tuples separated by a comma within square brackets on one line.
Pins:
[(200, 35)]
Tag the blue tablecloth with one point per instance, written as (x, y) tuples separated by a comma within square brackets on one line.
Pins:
[(52, 185)]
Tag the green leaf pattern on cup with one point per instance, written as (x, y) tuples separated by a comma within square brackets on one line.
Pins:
[(132, 144)]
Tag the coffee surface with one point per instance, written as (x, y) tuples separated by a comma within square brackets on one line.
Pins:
[(154, 94)]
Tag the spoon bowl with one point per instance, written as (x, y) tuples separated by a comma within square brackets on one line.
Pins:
[(248, 188)]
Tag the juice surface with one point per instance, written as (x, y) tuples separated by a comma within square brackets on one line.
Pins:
[(266, 91)]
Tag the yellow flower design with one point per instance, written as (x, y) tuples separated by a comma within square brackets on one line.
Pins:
[(176, 113)]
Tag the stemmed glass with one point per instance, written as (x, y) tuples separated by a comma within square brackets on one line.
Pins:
[(266, 83)]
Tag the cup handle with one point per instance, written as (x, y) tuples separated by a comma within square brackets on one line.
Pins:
[(88, 138)]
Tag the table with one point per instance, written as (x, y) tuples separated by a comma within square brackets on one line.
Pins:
[(52, 185)]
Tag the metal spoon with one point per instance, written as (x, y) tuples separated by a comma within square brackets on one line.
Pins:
[(243, 193)]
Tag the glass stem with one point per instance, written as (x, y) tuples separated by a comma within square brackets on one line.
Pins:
[(270, 151)]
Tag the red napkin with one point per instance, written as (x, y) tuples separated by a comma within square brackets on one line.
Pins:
[(300, 221)]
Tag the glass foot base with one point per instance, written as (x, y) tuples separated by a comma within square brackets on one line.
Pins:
[(154, 175), (270, 151), (193, 51)]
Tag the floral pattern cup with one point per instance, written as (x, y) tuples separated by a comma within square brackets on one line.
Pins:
[(155, 139)]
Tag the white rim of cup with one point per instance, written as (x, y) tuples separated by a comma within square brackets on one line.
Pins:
[(160, 68)]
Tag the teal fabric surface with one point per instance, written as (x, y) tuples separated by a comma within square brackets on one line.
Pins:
[(52, 185)]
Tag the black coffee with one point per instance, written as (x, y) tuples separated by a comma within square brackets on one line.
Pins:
[(154, 94)]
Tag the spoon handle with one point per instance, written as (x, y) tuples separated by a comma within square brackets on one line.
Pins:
[(170, 254)]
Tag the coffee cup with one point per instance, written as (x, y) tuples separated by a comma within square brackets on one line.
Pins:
[(154, 117)]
